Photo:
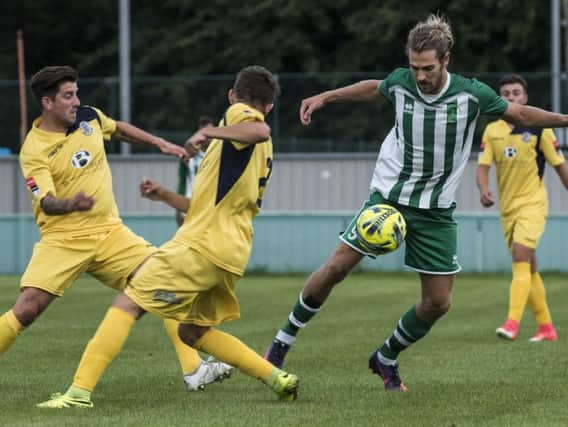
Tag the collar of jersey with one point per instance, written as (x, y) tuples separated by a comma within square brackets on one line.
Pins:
[(433, 98)]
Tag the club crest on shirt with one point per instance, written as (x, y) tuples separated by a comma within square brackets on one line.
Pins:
[(86, 128), (32, 185), (526, 136), (81, 159)]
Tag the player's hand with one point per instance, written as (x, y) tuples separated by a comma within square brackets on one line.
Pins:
[(486, 198), (194, 143), (172, 149), (309, 105), (81, 202), (150, 189)]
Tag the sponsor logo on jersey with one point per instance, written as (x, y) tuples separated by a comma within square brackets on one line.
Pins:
[(510, 152), (526, 137), (54, 151), (32, 185), (81, 159), (86, 128)]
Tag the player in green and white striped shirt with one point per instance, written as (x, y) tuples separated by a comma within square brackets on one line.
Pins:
[(419, 167)]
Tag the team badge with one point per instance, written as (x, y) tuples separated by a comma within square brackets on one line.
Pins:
[(81, 159), (86, 128), (526, 137), (32, 185)]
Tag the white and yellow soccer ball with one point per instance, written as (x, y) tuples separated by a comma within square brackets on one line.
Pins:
[(381, 229)]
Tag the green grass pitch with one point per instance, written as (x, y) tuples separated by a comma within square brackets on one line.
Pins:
[(460, 375)]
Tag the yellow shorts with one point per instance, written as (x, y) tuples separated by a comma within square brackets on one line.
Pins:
[(180, 283), (110, 256), (525, 226)]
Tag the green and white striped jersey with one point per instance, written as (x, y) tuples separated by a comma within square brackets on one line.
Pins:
[(422, 159)]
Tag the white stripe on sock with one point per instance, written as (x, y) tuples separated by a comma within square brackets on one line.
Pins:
[(401, 339), (294, 321), (385, 360), (285, 338), (311, 309)]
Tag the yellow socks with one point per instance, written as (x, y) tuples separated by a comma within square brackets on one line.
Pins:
[(10, 328), (231, 350), (103, 348), (519, 291), (188, 357), (537, 300)]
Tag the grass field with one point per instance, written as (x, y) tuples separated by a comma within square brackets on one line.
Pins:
[(460, 375)]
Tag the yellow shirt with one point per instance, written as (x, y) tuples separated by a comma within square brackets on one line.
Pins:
[(520, 155), (227, 195), (63, 164)]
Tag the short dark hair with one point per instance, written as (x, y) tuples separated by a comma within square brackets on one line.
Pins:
[(510, 79), (203, 121), (256, 85), (46, 81)]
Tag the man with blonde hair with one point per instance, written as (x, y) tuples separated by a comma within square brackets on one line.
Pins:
[(418, 170)]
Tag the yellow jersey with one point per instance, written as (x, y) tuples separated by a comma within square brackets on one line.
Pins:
[(63, 164), (227, 195), (520, 155)]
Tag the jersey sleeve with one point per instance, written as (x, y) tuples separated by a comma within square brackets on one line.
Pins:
[(108, 125), (39, 182), (551, 148), (391, 80), (490, 102), (242, 113), (486, 154)]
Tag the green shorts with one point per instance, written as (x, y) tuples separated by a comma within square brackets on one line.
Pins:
[(431, 237)]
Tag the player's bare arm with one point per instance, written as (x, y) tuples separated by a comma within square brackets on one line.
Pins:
[(363, 91), (130, 133), (246, 133), (526, 115), (152, 190), (51, 205), (562, 171), (482, 179)]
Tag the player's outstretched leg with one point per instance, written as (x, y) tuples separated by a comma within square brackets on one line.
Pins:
[(231, 350), (196, 372), (99, 353), (316, 290)]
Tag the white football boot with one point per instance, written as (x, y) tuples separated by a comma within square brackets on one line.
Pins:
[(209, 371)]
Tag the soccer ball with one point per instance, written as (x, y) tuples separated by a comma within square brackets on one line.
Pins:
[(381, 229)]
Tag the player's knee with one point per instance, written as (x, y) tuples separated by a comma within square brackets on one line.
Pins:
[(31, 304), (191, 334), (438, 307)]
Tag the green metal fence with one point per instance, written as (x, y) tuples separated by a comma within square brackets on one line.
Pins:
[(170, 106)]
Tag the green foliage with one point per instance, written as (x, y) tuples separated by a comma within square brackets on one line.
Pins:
[(331, 43), (459, 375), (184, 37)]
